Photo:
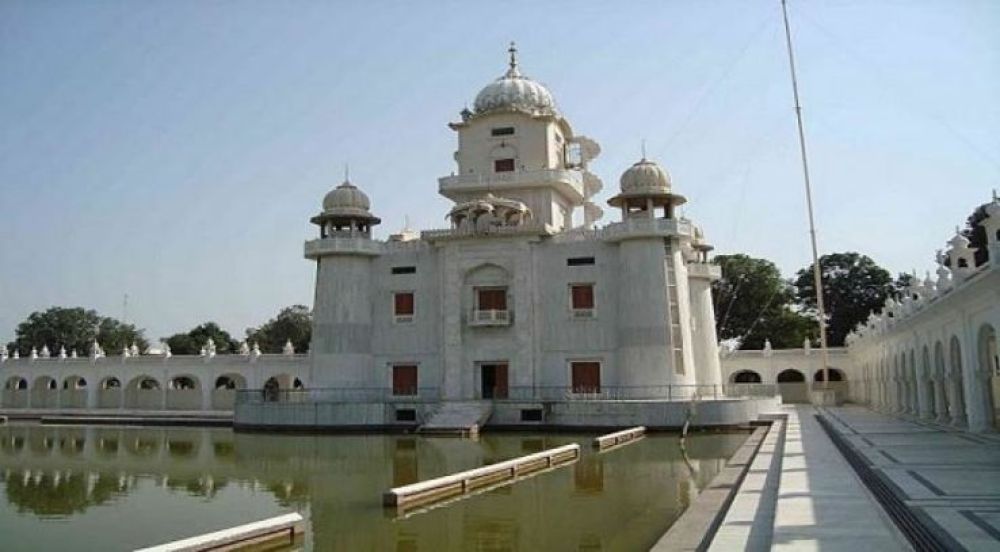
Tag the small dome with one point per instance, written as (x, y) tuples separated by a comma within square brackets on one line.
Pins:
[(645, 176), (515, 92), (346, 200)]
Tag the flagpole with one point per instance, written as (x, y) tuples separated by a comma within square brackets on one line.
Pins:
[(817, 272)]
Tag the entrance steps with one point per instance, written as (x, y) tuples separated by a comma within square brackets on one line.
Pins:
[(464, 417)]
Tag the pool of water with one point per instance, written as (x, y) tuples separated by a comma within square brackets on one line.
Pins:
[(111, 488)]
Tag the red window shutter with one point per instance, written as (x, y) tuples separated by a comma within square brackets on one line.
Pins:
[(586, 377), (404, 380), (583, 296), (493, 299), (404, 304), (503, 165)]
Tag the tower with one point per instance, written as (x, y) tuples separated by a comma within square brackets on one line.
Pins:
[(701, 274), (515, 144), (654, 304), (342, 309)]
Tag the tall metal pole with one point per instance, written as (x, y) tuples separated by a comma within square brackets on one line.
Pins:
[(817, 272)]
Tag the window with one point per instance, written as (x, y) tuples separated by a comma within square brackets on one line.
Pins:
[(579, 261), (586, 377), (531, 415), (404, 270), (404, 379), (491, 299), (582, 298), (503, 165), (403, 306), (406, 415), (502, 131)]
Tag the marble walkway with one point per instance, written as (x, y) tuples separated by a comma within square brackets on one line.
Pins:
[(949, 478)]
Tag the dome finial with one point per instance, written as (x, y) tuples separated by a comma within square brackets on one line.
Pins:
[(513, 55), (643, 147), (347, 173)]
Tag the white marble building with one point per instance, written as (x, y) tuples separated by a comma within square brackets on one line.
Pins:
[(933, 354), (521, 294)]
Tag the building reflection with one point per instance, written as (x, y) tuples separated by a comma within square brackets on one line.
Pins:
[(623, 499)]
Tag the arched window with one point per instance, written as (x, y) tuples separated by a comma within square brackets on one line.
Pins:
[(791, 375), (746, 376)]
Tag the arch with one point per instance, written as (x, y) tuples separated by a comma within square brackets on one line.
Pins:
[(110, 382), (989, 367), (45, 383), (144, 383), (791, 375), (184, 382), (74, 383), (16, 383), (746, 376), (487, 274), (297, 384), (230, 381), (931, 391), (835, 374), (941, 374), (957, 377)]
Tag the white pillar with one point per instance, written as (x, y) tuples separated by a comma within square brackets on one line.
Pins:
[(976, 392)]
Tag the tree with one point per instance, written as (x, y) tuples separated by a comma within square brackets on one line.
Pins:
[(190, 343), (853, 286), (753, 304), (976, 234), (292, 323), (75, 328)]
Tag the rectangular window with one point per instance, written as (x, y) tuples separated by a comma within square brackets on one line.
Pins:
[(404, 379), (404, 270), (582, 296), (586, 377), (502, 131), (579, 261), (491, 299), (402, 306), (503, 165)]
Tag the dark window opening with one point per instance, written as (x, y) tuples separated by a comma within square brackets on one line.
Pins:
[(492, 299), (404, 379), (502, 131), (531, 415), (503, 165), (404, 270), (406, 415), (579, 261)]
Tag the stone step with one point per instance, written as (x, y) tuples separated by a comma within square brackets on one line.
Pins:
[(458, 417)]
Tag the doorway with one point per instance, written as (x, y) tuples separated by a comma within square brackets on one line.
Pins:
[(494, 380)]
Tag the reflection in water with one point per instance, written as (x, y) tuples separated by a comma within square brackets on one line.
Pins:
[(195, 480)]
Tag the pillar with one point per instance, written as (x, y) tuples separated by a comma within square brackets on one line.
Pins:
[(644, 334), (976, 392), (708, 371)]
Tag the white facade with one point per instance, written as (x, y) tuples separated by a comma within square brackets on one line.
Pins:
[(515, 297), (933, 354)]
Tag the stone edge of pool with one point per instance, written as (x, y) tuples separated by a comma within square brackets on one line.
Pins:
[(699, 523)]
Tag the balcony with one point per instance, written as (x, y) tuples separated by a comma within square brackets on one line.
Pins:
[(342, 246), (569, 183), (490, 318), (645, 228), (703, 270)]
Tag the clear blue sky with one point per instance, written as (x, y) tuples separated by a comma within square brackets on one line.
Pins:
[(175, 150)]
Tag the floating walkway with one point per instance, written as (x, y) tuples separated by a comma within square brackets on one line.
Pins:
[(442, 488), (619, 438), (266, 534)]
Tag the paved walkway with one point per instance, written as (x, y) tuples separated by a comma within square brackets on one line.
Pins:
[(949, 478), (815, 501)]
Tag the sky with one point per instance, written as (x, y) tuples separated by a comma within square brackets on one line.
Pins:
[(174, 150)]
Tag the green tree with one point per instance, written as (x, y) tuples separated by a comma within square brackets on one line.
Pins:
[(190, 343), (753, 304), (292, 323), (853, 286), (75, 328), (976, 235)]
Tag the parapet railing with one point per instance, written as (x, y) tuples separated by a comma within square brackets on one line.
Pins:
[(349, 395)]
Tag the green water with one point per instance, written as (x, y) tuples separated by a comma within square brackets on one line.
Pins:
[(110, 488)]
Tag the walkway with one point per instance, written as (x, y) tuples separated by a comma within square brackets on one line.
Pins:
[(949, 478), (803, 495)]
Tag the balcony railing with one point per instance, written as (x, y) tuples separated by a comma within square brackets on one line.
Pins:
[(339, 395), (570, 182), (490, 317)]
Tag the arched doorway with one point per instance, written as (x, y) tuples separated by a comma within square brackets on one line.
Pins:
[(226, 387), (835, 375), (946, 393), (184, 393), (989, 367), (144, 393), (792, 386), (930, 390), (747, 376), (955, 367)]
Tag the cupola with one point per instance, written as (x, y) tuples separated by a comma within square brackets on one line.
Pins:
[(515, 92), (644, 187), (345, 213)]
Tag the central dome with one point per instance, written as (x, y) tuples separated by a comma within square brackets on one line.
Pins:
[(515, 92)]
